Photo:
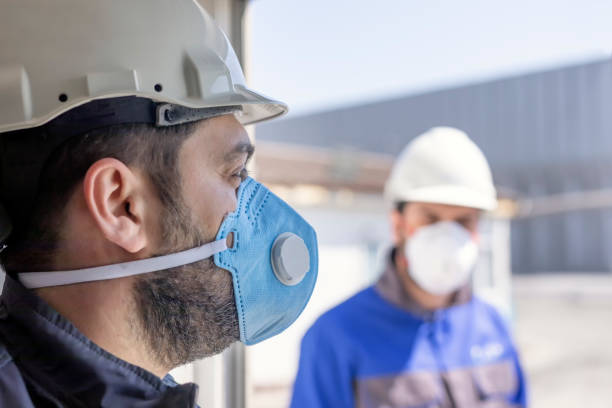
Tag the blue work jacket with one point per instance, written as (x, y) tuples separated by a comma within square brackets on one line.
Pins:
[(379, 349)]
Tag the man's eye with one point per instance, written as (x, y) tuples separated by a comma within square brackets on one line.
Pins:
[(242, 174)]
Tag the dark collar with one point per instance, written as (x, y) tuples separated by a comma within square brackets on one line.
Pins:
[(390, 287), (55, 357)]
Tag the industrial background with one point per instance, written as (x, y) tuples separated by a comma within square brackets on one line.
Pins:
[(547, 135)]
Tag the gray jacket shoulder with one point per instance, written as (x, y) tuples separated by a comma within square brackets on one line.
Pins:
[(13, 390)]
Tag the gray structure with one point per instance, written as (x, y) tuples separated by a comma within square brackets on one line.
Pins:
[(544, 133)]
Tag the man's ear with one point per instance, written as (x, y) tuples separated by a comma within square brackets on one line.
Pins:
[(116, 202), (397, 226)]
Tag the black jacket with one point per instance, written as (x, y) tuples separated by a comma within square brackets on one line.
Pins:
[(46, 362)]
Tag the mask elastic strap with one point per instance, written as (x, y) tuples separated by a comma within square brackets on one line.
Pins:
[(33, 280)]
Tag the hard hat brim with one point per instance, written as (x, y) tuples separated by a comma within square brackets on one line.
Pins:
[(449, 195), (255, 107)]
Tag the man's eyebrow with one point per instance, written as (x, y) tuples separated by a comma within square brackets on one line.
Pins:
[(430, 213), (239, 149)]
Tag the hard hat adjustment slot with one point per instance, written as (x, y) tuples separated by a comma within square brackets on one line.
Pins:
[(169, 114)]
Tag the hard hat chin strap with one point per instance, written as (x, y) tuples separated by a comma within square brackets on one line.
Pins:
[(33, 280)]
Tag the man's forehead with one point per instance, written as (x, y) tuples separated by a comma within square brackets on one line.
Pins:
[(445, 209)]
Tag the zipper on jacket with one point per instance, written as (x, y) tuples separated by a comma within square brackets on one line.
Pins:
[(433, 327)]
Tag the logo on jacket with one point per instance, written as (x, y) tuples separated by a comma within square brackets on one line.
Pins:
[(488, 352)]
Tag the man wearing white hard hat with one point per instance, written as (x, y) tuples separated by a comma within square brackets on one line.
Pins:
[(132, 238), (418, 337)]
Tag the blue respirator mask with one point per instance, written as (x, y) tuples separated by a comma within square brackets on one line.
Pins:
[(273, 261)]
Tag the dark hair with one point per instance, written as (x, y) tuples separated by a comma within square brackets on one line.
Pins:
[(400, 206), (154, 150), (184, 313)]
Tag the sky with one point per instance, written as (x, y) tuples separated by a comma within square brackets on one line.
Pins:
[(320, 54)]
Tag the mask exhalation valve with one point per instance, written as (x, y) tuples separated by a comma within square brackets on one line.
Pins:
[(290, 259)]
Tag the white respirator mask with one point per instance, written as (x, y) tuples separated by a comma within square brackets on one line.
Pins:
[(441, 257)]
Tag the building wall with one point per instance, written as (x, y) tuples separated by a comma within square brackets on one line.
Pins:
[(544, 133)]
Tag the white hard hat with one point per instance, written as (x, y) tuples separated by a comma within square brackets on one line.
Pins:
[(442, 166), (57, 55)]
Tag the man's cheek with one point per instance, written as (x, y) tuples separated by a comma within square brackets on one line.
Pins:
[(410, 229), (217, 211)]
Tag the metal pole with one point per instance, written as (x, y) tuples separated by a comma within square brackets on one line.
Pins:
[(234, 375)]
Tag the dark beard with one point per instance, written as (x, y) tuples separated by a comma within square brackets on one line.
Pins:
[(188, 312)]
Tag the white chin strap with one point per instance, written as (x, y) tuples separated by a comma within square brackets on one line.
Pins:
[(33, 280)]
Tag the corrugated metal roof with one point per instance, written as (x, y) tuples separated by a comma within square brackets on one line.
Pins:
[(545, 122), (544, 133)]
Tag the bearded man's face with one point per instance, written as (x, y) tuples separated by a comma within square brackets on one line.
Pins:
[(187, 313)]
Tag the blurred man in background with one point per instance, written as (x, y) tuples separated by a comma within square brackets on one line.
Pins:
[(418, 337)]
